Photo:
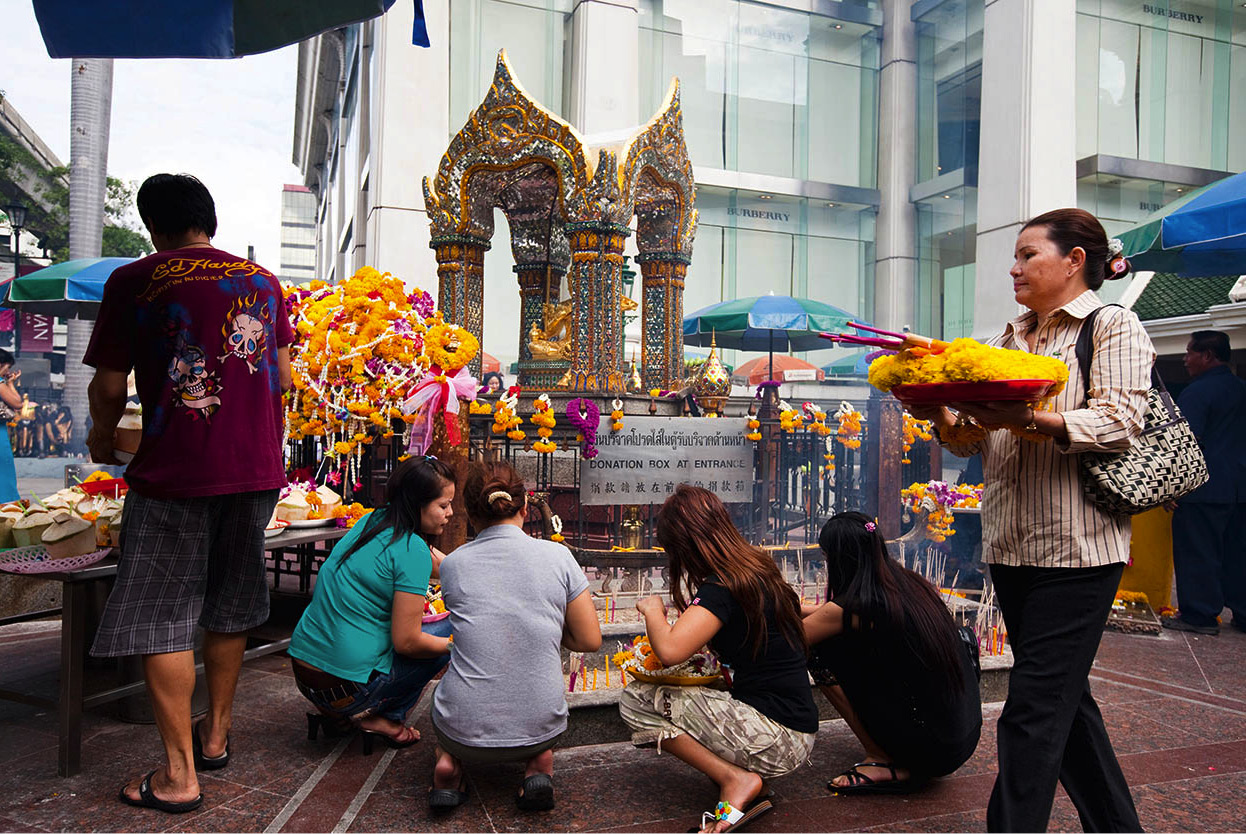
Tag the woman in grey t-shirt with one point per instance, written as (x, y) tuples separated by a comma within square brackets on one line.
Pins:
[(513, 601)]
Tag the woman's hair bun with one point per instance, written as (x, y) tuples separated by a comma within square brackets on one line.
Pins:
[(492, 492)]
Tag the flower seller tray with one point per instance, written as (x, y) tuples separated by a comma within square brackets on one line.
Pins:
[(998, 390), (671, 680)]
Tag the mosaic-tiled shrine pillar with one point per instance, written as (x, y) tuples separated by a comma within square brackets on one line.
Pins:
[(596, 287), (461, 284), (662, 336)]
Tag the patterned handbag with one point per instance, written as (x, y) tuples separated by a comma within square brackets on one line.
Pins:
[(1164, 462)]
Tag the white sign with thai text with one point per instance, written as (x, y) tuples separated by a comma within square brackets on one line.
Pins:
[(650, 456)]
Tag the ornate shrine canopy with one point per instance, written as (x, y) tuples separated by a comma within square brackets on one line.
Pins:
[(570, 207)]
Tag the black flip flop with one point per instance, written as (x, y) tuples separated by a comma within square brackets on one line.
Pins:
[(538, 793), (148, 799), (862, 784), (203, 762), (443, 799)]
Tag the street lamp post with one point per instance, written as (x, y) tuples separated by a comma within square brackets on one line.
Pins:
[(17, 221)]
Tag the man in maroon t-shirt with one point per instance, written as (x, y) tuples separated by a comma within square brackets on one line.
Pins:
[(207, 336)]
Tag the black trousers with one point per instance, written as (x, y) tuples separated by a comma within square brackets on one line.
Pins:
[(1051, 728), (1210, 561)]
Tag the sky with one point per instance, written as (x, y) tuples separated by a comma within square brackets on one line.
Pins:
[(228, 122)]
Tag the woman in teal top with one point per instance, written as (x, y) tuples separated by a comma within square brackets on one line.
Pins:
[(360, 651)]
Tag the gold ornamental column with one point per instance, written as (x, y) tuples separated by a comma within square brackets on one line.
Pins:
[(662, 335), (596, 289), (461, 284)]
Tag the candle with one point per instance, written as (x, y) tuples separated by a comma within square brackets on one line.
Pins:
[(594, 680), (607, 671), (623, 675)]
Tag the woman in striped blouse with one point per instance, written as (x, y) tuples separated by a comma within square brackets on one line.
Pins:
[(1056, 558)]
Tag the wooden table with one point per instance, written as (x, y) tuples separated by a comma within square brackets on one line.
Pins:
[(76, 585)]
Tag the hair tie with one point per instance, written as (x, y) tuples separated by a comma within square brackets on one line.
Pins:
[(496, 494), (869, 525)]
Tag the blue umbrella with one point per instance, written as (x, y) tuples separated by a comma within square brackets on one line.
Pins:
[(1203, 233), (66, 289), (765, 323), (200, 29)]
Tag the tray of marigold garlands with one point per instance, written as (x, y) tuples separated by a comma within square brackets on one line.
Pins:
[(702, 669), (925, 371)]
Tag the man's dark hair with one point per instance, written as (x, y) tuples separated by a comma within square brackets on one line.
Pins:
[(174, 204), (1211, 340)]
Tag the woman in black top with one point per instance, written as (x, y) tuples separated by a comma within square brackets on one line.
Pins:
[(887, 654), (730, 595)]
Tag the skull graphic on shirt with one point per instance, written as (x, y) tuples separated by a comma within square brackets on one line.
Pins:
[(245, 331)]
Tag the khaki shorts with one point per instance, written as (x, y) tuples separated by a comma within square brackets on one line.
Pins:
[(731, 729)]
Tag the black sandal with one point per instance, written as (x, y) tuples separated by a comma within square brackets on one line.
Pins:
[(859, 783), (203, 762), (147, 799), (443, 799), (537, 794)]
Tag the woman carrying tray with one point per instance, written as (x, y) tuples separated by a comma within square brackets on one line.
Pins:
[(732, 596), (1056, 558), (512, 600), (887, 654), (360, 652)]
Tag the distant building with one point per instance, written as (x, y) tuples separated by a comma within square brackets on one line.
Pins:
[(298, 234)]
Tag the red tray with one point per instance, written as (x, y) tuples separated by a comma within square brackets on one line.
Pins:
[(998, 390), (105, 487)]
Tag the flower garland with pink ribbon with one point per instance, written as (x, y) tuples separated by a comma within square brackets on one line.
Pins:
[(438, 393), (584, 414)]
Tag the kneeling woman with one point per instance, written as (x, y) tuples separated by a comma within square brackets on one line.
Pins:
[(360, 652), (888, 655), (512, 600), (742, 607)]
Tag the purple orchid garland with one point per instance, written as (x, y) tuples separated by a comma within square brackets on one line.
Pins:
[(584, 414)]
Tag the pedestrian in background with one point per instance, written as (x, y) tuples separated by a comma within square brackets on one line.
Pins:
[(1209, 524)]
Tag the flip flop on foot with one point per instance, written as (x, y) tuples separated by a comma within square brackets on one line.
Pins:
[(443, 799), (859, 783), (734, 817), (537, 793), (203, 762), (405, 738), (147, 799)]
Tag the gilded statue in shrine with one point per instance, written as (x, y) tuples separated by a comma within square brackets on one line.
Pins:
[(569, 206)]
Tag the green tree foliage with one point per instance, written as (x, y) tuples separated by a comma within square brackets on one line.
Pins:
[(123, 234)]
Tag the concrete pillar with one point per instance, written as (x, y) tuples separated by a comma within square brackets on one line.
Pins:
[(895, 269), (604, 66), (1027, 161)]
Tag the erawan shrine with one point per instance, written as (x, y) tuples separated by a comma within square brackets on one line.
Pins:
[(608, 419)]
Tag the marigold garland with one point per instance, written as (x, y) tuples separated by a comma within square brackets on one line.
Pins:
[(818, 417), (448, 346), (616, 415), (849, 434), (354, 359), (543, 417), (790, 420), (937, 499), (505, 420), (914, 430), (753, 429)]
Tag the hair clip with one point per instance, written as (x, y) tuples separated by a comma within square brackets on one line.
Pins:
[(869, 525), (1115, 247), (430, 457), (498, 493)]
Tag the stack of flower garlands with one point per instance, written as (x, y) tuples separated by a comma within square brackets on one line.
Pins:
[(937, 499), (965, 360), (357, 354)]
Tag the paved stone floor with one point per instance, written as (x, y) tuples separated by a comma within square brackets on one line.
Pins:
[(1175, 706)]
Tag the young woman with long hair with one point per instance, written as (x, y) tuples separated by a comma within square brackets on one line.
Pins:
[(889, 657), (360, 651), (513, 600), (732, 596)]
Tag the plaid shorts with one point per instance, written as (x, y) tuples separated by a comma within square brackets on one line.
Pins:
[(186, 562), (730, 729)]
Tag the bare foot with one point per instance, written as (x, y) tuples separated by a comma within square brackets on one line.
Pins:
[(162, 788), (875, 774), (739, 793), (396, 731)]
